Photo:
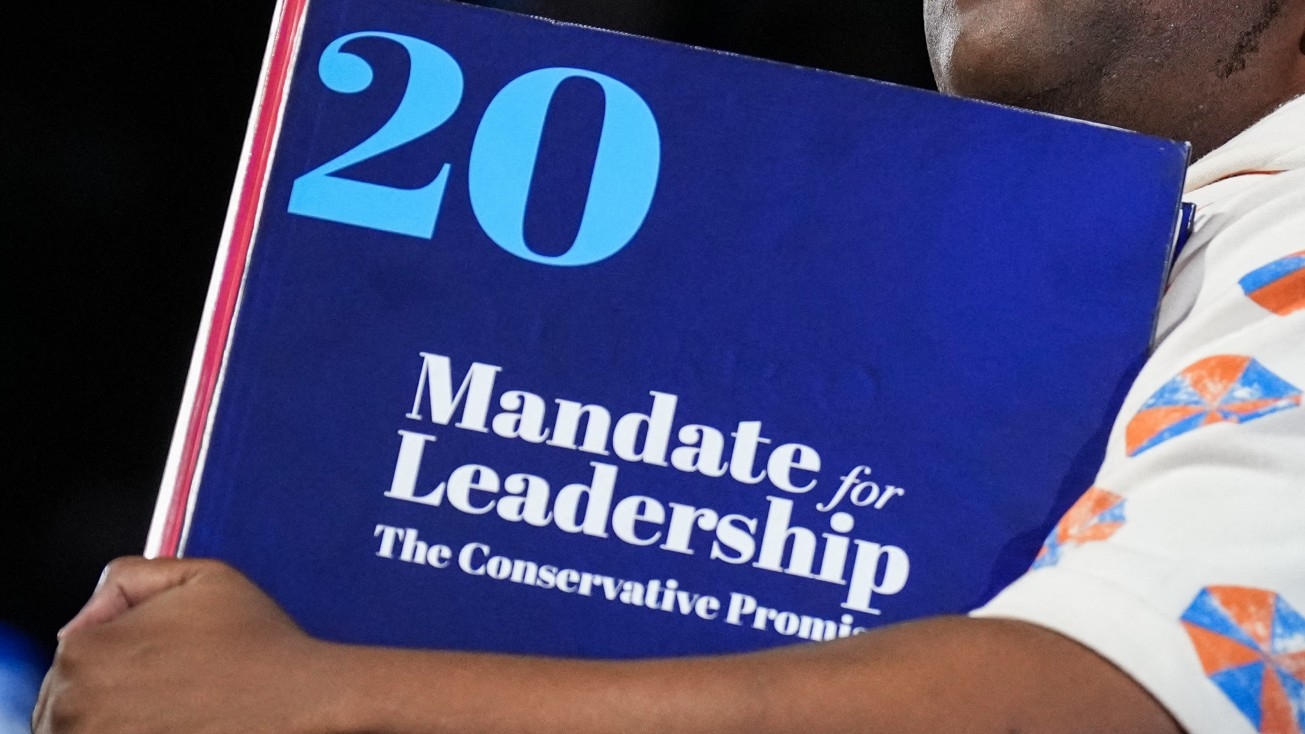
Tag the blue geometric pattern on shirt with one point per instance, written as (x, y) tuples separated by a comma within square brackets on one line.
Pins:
[(1271, 273), (1096, 516), (1224, 388), (1251, 644)]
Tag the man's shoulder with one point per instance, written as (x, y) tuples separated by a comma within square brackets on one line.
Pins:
[(1250, 211)]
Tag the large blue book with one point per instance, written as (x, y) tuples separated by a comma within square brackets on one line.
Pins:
[(532, 337)]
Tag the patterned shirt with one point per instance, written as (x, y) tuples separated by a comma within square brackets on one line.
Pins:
[(1185, 563)]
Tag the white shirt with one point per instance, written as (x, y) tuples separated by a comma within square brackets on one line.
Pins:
[(1185, 564)]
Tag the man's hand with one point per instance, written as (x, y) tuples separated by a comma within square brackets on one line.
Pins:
[(175, 646)]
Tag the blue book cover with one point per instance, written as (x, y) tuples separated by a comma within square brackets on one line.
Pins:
[(531, 337)]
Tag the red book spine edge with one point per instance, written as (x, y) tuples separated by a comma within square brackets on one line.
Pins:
[(178, 489)]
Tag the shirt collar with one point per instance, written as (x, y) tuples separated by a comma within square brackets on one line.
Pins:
[(1276, 143)]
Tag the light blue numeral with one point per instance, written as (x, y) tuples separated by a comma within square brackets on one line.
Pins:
[(433, 93), (506, 148)]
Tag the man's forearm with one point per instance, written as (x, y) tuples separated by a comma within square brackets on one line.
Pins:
[(174, 647), (939, 675)]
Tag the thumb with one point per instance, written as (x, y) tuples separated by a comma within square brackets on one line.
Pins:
[(127, 582)]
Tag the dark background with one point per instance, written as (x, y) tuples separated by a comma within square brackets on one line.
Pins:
[(122, 128)]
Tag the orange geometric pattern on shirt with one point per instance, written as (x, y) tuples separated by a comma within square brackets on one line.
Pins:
[(1283, 297), (1251, 645), (1224, 388), (1214, 375), (1210, 377), (1278, 286), (1276, 714), (1154, 420), (1251, 609), (1081, 524), (1218, 652)]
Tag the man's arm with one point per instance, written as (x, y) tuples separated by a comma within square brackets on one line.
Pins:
[(188, 646)]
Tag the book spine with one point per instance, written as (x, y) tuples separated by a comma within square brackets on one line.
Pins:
[(179, 487)]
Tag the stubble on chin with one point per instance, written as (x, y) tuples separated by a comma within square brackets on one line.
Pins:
[(1033, 54)]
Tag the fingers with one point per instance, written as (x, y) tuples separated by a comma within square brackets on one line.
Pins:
[(127, 582)]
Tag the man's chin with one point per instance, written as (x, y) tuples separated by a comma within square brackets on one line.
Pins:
[(988, 62)]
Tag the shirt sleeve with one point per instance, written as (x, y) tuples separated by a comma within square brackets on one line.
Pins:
[(1185, 564)]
